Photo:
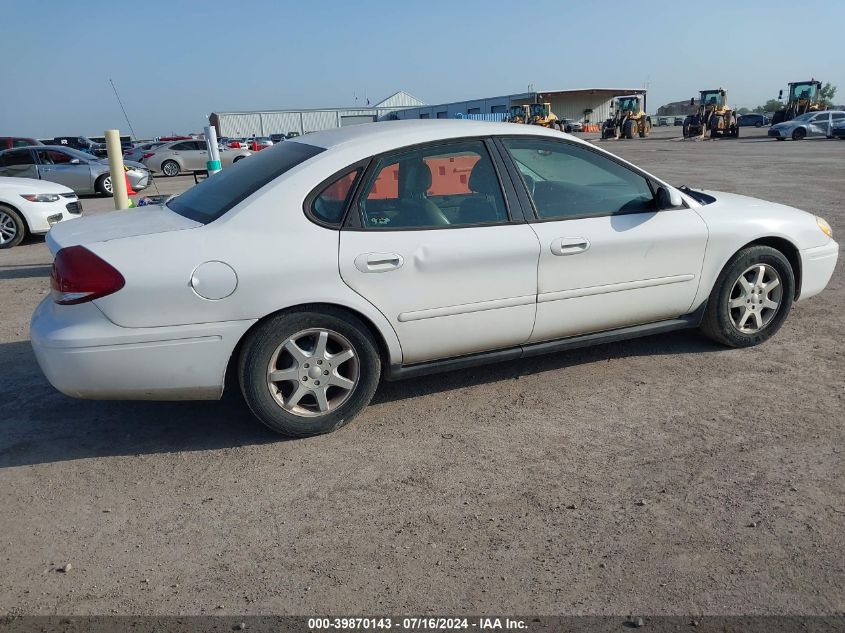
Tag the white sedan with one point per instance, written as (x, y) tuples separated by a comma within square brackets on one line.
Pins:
[(31, 207), (402, 248)]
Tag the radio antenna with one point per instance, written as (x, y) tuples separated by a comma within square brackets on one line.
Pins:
[(125, 116)]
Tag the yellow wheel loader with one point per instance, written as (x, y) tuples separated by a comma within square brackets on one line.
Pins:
[(541, 114), (804, 96), (627, 118), (518, 114), (714, 115)]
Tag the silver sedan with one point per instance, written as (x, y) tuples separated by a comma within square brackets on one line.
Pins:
[(177, 156), (81, 172), (807, 125)]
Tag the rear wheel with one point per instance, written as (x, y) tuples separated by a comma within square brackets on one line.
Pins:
[(104, 185), (12, 227), (716, 123), (751, 298), (170, 168), (630, 128), (799, 135), (307, 373)]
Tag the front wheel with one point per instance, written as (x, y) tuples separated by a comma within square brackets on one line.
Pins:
[(12, 227), (307, 373), (799, 135), (630, 129), (104, 186), (751, 298)]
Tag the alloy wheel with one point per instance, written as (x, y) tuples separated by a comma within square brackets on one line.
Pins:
[(107, 185), (170, 169), (8, 228), (755, 298), (313, 372)]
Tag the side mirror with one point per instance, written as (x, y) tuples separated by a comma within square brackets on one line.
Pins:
[(780, 96), (668, 199), (75, 161)]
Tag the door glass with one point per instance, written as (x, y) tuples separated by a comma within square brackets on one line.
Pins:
[(18, 157), (838, 116), (445, 185), (58, 158), (567, 181), (180, 147)]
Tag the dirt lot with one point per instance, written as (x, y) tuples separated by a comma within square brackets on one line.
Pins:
[(623, 478)]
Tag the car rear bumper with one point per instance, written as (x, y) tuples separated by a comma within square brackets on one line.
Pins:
[(84, 355), (817, 266)]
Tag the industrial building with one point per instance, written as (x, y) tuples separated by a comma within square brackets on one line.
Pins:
[(590, 105)]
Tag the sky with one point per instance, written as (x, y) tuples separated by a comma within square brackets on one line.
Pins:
[(174, 61)]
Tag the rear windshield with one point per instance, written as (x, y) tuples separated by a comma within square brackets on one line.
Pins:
[(214, 196)]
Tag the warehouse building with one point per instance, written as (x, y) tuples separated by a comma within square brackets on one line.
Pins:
[(591, 105), (242, 124)]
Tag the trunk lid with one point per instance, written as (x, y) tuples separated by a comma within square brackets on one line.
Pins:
[(117, 225)]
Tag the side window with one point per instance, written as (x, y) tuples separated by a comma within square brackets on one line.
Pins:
[(22, 142), (838, 116), (199, 145), (57, 158), (181, 147), (568, 181), (439, 186), (18, 157), (329, 204)]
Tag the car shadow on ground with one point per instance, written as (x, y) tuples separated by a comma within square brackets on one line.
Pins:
[(40, 425), (25, 271)]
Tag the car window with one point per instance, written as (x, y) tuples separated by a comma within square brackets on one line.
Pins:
[(22, 142), (567, 181), (445, 185), (838, 116), (215, 195), (18, 157), (181, 147), (52, 157), (330, 203)]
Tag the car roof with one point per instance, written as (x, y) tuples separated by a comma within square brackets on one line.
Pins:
[(386, 135)]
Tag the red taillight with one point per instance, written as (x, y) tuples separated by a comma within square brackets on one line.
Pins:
[(79, 276), (147, 155)]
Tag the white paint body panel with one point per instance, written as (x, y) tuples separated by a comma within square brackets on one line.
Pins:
[(457, 291), (35, 214), (638, 268)]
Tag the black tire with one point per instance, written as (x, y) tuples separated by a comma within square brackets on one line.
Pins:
[(170, 168), (686, 129), (103, 185), (780, 138), (799, 134), (714, 126), (735, 132), (12, 227), (258, 351), (629, 129), (717, 323), (758, 124)]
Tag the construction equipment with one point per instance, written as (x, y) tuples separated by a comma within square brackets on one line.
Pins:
[(804, 96), (714, 114), (541, 114), (627, 118), (518, 114)]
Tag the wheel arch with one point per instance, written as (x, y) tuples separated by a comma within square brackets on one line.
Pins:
[(21, 214), (230, 378), (789, 250)]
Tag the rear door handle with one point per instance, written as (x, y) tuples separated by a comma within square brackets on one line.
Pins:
[(570, 245), (378, 262)]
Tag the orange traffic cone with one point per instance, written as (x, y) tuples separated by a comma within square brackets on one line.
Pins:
[(129, 190)]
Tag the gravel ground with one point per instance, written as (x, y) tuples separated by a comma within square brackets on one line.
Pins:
[(664, 475)]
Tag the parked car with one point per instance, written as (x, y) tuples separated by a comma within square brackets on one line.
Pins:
[(292, 135), (277, 138), (82, 143), (839, 130), (137, 153), (263, 142), (31, 207), (173, 158), (662, 121), (571, 125), (752, 119), (808, 125), (75, 169), (679, 121), (322, 264), (8, 142)]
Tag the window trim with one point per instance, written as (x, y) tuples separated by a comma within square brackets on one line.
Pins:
[(355, 221), (308, 204), (535, 218)]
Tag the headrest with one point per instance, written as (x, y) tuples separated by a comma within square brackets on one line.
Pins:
[(414, 178), (483, 178)]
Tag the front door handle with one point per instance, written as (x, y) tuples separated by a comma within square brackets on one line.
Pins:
[(570, 245), (378, 262)]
